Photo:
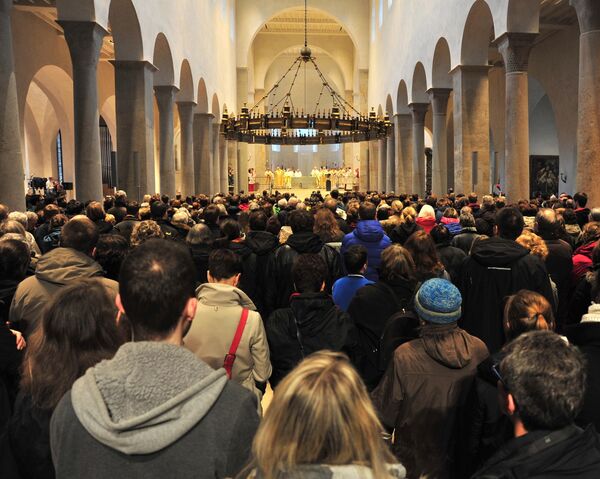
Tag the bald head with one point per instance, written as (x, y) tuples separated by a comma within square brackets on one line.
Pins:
[(546, 223), (331, 205)]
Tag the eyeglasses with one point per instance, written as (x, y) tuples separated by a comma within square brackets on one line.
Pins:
[(496, 372)]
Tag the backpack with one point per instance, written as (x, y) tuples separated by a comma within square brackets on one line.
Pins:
[(400, 327)]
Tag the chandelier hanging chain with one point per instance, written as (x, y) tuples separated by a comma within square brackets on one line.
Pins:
[(342, 124)]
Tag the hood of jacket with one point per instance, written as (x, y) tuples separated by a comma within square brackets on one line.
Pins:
[(369, 231), (147, 397), (223, 295), (407, 228), (498, 252), (63, 265), (305, 243), (447, 344), (446, 221), (586, 249), (261, 242), (311, 311), (240, 248)]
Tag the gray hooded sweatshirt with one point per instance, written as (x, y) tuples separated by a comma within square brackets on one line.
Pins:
[(154, 410)]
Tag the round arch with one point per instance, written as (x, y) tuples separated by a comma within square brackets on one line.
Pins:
[(126, 31), (163, 61), (186, 83), (419, 85), (478, 33), (402, 99), (202, 99), (442, 64)]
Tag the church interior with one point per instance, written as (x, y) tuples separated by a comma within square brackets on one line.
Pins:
[(496, 96)]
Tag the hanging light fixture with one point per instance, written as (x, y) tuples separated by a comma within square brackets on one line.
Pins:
[(288, 126)]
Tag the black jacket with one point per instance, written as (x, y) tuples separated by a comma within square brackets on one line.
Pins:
[(168, 230), (403, 231), (464, 240), (263, 245), (485, 427), (497, 268), (370, 310), (125, 227), (586, 336), (248, 279), (580, 301), (104, 227), (452, 258), (311, 323), (569, 452), (29, 434), (280, 284), (559, 264), (200, 254)]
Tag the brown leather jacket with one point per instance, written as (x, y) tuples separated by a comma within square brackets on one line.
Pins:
[(423, 393)]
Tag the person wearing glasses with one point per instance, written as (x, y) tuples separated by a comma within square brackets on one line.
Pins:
[(541, 386)]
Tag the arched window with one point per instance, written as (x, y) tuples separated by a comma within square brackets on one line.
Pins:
[(59, 158)]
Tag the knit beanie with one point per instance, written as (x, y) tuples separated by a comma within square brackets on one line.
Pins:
[(438, 301)]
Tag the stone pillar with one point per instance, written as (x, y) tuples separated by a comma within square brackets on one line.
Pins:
[(373, 178), (588, 129), (439, 106), (186, 120), (515, 48), (232, 158), (135, 127), (202, 152), (165, 98), (390, 167), (364, 169), (471, 129), (84, 40), (382, 164), (223, 163), (242, 157), (404, 155), (418, 110), (12, 193), (215, 166)]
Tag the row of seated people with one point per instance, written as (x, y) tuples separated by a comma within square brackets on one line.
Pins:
[(282, 280)]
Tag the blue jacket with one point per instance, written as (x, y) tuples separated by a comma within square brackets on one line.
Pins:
[(370, 234), (345, 288)]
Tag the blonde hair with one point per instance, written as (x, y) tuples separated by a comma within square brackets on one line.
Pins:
[(533, 243), (145, 230), (409, 215), (321, 414)]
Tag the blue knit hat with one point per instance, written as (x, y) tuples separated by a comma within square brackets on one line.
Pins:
[(438, 301)]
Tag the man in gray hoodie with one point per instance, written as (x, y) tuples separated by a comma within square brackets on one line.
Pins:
[(155, 410)]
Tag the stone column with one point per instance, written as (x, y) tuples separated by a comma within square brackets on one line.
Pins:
[(515, 48), (242, 157), (439, 106), (232, 158), (471, 129), (404, 148), (373, 178), (390, 167), (215, 166), (202, 152), (84, 40), (165, 98), (382, 164), (418, 110), (186, 120), (12, 193), (588, 129), (135, 127), (223, 163)]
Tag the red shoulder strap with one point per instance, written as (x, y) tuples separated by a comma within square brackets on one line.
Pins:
[(230, 356)]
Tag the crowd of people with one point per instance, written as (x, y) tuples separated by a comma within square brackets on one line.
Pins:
[(439, 337)]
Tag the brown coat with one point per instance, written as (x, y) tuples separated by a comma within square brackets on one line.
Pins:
[(422, 394), (56, 269)]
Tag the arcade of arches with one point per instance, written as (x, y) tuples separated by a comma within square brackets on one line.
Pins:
[(130, 93)]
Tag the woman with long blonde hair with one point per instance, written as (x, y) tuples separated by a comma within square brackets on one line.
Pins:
[(321, 420)]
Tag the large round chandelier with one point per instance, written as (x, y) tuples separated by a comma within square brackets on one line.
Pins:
[(284, 124)]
